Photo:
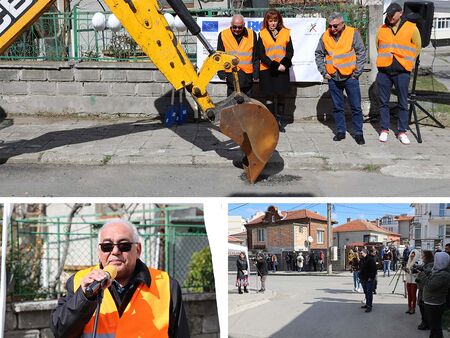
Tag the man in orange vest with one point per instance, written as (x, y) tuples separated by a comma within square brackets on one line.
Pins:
[(398, 45), (239, 41), (137, 302), (344, 53)]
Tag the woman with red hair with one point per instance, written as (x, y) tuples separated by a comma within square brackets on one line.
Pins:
[(275, 51)]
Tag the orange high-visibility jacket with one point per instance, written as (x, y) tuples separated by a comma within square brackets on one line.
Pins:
[(243, 51), (275, 50), (146, 315), (340, 54), (398, 45)]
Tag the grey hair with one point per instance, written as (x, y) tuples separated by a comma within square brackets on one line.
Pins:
[(130, 225), (335, 15), (237, 16)]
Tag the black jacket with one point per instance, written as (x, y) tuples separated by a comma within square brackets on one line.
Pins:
[(261, 266), (74, 310), (241, 265), (367, 268)]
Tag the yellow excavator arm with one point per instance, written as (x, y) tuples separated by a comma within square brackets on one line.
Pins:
[(246, 121), (16, 16)]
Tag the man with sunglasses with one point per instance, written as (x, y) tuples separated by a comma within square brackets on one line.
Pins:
[(140, 301), (239, 41), (340, 58), (398, 45)]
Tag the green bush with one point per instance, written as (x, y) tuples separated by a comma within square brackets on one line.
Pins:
[(200, 277)]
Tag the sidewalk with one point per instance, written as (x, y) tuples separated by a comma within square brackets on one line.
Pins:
[(241, 302), (305, 145)]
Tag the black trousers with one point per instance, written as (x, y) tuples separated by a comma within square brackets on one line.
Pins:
[(433, 314)]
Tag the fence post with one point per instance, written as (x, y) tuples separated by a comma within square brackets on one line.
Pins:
[(376, 19), (166, 239), (75, 33)]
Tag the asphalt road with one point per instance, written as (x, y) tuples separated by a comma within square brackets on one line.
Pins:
[(180, 181), (321, 306)]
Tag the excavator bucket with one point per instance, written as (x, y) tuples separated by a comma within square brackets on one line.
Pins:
[(253, 127)]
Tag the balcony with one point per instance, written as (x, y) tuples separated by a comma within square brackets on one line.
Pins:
[(436, 219)]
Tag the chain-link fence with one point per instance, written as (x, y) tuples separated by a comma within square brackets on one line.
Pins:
[(71, 36), (45, 251)]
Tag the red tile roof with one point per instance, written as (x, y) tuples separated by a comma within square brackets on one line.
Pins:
[(293, 215), (232, 239), (362, 225), (404, 218)]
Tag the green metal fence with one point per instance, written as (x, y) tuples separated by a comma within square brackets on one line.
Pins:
[(70, 36), (45, 251)]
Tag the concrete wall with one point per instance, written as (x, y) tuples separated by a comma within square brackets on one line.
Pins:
[(31, 319), (119, 88)]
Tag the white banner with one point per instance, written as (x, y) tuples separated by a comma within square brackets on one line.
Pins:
[(305, 34)]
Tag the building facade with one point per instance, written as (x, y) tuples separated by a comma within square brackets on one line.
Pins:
[(431, 225), (278, 231)]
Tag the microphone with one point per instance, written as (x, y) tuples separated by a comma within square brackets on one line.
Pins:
[(93, 288)]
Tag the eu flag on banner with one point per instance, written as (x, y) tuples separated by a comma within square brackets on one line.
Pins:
[(210, 26)]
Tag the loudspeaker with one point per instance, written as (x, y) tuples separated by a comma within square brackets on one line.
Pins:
[(421, 13)]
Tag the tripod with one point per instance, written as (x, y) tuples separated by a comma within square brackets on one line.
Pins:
[(412, 99), (400, 273)]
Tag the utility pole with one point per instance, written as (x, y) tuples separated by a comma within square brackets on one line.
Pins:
[(330, 238)]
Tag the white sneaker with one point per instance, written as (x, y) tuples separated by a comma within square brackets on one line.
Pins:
[(383, 136), (403, 138)]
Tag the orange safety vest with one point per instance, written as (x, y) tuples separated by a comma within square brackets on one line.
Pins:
[(243, 51), (340, 54), (398, 45), (275, 50), (146, 315)]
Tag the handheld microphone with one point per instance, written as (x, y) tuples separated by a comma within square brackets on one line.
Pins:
[(93, 288)]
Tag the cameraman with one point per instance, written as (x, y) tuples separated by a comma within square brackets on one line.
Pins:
[(261, 267), (411, 272)]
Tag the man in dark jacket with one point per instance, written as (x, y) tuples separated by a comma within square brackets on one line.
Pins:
[(261, 267), (248, 69), (125, 296), (367, 274)]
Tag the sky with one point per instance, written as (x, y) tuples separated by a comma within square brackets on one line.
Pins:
[(339, 212)]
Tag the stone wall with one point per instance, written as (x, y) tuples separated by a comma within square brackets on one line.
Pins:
[(123, 88), (31, 319)]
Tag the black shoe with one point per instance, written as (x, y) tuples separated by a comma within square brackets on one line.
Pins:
[(423, 326), (245, 290), (364, 307), (241, 163), (339, 136), (240, 291), (374, 292), (360, 139), (369, 309), (280, 126)]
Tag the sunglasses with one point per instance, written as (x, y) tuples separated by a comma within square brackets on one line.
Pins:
[(334, 26), (237, 27), (123, 246)]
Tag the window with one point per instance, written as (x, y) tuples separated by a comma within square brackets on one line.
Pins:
[(417, 231), (447, 231), (320, 239), (261, 235), (370, 238), (441, 231), (441, 23), (441, 209)]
